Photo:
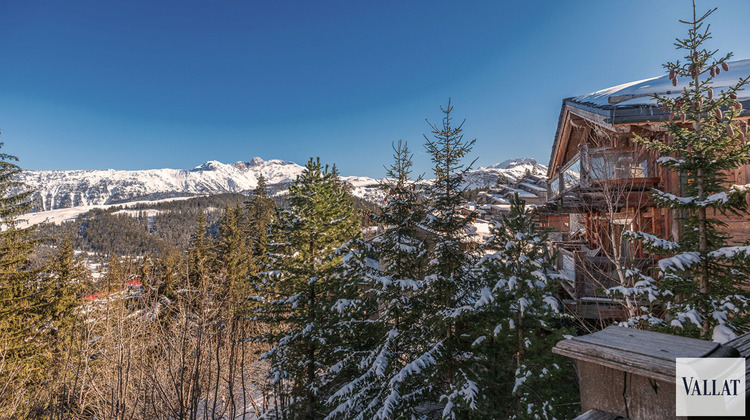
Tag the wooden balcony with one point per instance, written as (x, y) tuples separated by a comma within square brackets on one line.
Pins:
[(601, 171), (587, 276)]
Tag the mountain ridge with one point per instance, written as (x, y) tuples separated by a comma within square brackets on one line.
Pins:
[(56, 189)]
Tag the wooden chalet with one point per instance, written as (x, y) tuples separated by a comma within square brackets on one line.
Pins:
[(599, 184)]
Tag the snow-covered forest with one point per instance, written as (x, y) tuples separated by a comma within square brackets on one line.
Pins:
[(320, 304), (286, 310)]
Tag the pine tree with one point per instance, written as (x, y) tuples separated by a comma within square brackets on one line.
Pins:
[(376, 391), (515, 319), (200, 256), (260, 210), (62, 290), (699, 287), (449, 271), (34, 306), (311, 300), (234, 261)]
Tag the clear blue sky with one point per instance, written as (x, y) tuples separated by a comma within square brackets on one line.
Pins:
[(152, 84)]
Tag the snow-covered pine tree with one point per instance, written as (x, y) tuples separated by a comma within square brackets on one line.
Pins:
[(515, 319), (382, 389), (699, 286), (312, 299), (449, 280)]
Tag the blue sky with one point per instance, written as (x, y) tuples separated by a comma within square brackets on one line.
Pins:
[(143, 84)]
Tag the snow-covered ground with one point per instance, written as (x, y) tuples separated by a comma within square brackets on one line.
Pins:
[(61, 189), (71, 213)]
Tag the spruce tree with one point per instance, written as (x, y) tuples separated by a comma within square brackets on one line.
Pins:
[(310, 298), (514, 320), (115, 275), (260, 211), (21, 317), (34, 306), (430, 371), (449, 277), (376, 390), (234, 261), (63, 289), (699, 287), (200, 255)]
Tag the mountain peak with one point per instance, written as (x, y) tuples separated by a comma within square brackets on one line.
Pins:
[(512, 163), (209, 165)]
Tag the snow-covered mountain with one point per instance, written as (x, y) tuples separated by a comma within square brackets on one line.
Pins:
[(511, 170), (63, 189)]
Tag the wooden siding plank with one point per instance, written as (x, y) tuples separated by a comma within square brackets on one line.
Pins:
[(598, 415)]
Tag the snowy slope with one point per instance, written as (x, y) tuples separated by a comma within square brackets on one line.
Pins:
[(61, 215), (62, 189), (81, 188)]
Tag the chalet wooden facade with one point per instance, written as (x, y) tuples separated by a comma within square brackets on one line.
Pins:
[(599, 183)]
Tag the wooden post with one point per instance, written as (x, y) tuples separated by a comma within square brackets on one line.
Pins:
[(585, 180), (561, 184)]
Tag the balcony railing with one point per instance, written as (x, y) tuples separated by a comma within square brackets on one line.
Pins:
[(591, 166), (567, 178), (610, 164), (588, 275)]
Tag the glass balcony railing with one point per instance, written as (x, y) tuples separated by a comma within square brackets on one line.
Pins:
[(571, 177), (596, 165), (611, 165)]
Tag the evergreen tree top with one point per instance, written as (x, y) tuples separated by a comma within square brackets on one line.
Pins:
[(448, 147), (12, 202)]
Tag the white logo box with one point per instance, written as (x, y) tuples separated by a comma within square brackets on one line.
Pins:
[(710, 387)]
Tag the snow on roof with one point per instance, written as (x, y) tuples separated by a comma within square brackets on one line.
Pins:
[(522, 193), (639, 92), (479, 229), (500, 207), (533, 187)]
